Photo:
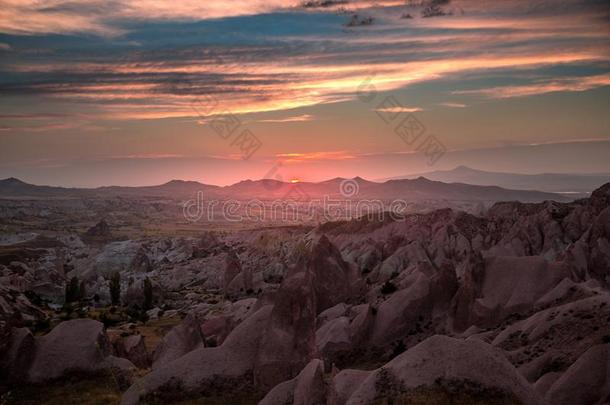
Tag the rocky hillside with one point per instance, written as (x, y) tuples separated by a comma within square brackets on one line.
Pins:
[(510, 307)]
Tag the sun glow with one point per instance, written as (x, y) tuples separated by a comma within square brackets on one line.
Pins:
[(294, 181)]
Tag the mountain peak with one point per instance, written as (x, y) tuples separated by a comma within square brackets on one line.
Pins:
[(463, 168), (13, 181)]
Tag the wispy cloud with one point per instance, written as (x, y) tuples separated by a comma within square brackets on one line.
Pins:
[(400, 109), (311, 156), (98, 16), (296, 118), (453, 105), (565, 84), (149, 156)]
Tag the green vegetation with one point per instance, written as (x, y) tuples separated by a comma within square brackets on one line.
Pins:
[(102, 390), (72, 291), (148, 295), (388, 288), (115, 288)]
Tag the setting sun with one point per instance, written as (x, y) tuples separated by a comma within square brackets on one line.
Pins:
[(293, 181)]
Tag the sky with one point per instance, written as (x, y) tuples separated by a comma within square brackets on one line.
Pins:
[(140, 92)]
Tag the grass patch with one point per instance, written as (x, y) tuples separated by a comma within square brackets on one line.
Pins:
[(101, 390)]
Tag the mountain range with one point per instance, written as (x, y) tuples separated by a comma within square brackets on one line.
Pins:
[(418, 189), (579, 185)]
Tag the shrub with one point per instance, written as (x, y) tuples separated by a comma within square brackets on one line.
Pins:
[(399, 348), (388, 288), (72, 290), (115, 288), (148, 295)]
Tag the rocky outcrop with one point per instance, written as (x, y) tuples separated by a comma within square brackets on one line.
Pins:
[(587, 381), (288, 341), (440, 364), (209, 371), (551, 339), (344, 384), (133, 349), (179, 341), (16, 355), (307, 388), (125, 256), (80, 345), (502, 286), (237, 280), (334, 280), (101, 230), (427, 295), (16, 310), (266, 348)]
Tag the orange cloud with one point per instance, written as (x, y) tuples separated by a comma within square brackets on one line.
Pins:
[(568, 84), (303, 157)]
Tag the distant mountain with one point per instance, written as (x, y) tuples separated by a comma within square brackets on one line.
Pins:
[(578, 184), (13, 187), (420, 189), (173, 188)]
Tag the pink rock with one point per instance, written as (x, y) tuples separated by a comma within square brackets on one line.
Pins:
[(441, 358), (345, 383), (209, 370), (17, 355), (307, 388), (288, 342), (182, 339), (76, 345), (586, 381), (334, 279), (133, 349)]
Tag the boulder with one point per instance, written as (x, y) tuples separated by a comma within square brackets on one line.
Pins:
[(334, 279), (503, 286), (133, 349), (345, 383), (288, 342), (307, 388), (587, 381), (78, 345), (334, 337), (101, 230), (180, 340), (442, 364), (124, 256), (209, 371), (231, 271), (17, 355), (553, 338), (427, 295)]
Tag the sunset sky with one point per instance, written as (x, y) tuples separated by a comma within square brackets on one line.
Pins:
[(129, 92)]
